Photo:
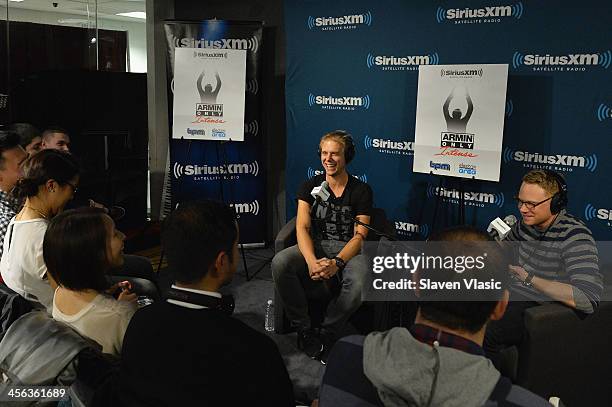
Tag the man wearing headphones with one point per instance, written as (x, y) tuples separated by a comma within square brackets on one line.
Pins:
[(557, 258), (327, 255)]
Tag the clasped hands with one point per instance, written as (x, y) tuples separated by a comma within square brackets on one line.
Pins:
[(322, 269)]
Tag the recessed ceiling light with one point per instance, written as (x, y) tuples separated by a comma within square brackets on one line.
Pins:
[(134, 14), (16, 1)]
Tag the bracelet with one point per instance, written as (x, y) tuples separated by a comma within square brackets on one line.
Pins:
[(341, 264), (527, 282)]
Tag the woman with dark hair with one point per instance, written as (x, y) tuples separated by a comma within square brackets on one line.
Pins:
[(80, 247), (49, 182)]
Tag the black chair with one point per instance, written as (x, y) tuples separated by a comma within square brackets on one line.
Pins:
[(565, 354), (365, 318)]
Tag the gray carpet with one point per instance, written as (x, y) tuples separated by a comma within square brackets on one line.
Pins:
[(251, 297)]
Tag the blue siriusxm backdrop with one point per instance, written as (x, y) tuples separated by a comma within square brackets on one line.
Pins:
[(558, 107)]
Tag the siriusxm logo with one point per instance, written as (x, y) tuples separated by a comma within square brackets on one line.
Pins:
[(461, 72), (492, 14), (401, 63), (470, 198), (249, 44), (603, 112), (561, 162), (207, 170), (339, 103), (389, 146), (345, 22), (407, 229), (567, 62), (313, 173), (251, 128), (591, 213), (252, 86), (249, 208), (509, 108), (439, 166)]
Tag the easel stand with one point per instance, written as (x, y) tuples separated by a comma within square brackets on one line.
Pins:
[(179, 190)]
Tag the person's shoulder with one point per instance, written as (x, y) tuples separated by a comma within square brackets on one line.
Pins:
[(359, 185), (306, 186), (312, 182), (571, 227)]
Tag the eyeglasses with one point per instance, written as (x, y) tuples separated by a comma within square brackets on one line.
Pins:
[(530, 205), (74, 187)]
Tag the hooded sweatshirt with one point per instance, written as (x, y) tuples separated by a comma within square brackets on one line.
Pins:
[(393, 368), (437, 375)]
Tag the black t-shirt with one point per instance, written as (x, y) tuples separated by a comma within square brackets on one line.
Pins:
[(334, 221)]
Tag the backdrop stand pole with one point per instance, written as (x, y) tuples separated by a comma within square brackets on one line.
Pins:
[(221, 179)]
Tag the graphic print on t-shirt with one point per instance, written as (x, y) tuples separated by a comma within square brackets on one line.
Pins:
[(333, 222)]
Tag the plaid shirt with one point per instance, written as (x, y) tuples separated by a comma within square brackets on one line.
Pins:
[(9, 207), (429, 335)]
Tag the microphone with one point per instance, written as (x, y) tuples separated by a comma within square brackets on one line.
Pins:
[(320, 193), (499, 229)]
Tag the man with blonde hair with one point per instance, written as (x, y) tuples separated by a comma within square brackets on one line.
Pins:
[(557, 258), (328, 247)]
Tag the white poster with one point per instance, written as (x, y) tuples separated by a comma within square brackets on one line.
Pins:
[(460, 120), (209, 86)]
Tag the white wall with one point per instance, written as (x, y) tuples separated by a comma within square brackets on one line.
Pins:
[(137, 43)]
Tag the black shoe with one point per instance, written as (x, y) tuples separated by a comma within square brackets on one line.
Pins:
[(308, 342), (328, 340)]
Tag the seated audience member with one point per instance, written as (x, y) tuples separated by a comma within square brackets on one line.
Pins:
[(12, 157), (49, 181), (557, 259), (328, 247), (439, 361), (55, 138), (29, 137), (80, 248), (188, 350)]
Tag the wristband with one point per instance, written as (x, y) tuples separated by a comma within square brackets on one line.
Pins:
[(341, 264)]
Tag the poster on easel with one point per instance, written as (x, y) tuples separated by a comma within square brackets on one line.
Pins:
[(209, 94), (460, 120)]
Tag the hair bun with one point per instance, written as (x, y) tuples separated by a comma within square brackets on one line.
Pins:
[(25, 188)]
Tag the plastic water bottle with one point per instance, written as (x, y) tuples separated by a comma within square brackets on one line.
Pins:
[(269, 324)]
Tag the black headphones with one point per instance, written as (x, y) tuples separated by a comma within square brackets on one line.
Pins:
[(225, 304), (349, 145), (559, 200)]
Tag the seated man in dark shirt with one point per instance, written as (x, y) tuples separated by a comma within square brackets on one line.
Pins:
[(188, 350), (328, 249), (557, 259)]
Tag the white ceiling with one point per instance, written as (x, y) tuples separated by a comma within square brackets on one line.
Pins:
[(106, 8)]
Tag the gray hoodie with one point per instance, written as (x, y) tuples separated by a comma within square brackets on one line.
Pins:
[(407, 372)]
